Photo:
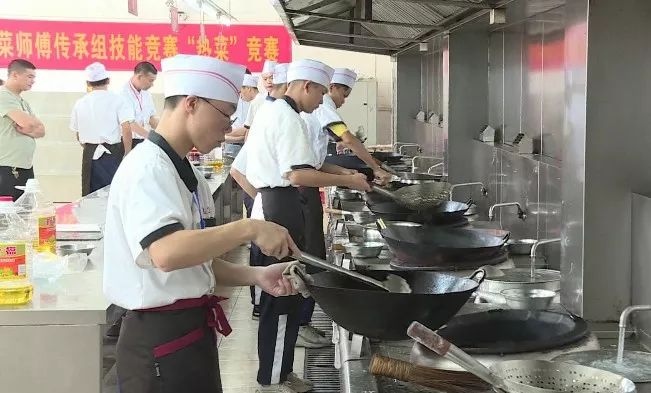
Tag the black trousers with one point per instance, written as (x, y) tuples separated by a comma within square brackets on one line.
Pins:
[(192, 369), (314, 240), (279, 316), (11, 177), (96, 174)]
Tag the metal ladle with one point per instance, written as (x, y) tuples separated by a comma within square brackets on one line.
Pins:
[(320, 263)]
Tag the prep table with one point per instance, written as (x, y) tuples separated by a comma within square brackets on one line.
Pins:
[(54, 343)]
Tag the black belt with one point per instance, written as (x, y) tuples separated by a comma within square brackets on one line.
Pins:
[(267, 189)]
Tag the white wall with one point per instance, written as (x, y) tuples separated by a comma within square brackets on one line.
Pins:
[(58, 156)]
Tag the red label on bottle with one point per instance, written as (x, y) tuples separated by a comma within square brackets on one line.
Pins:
[(12, 260)]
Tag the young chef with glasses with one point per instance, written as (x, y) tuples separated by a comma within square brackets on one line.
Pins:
[(238, 171), (160, 260), (280, 158), (102, 121)]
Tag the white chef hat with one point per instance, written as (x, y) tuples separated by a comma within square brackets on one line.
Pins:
[(250, 81), (280, 73), (344, 76), (269, 66), (310, 70), (202, 76), (96, 72)]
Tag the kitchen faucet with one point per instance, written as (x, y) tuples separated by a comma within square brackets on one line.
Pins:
[(521, 214), (484, 190), (542, 242)]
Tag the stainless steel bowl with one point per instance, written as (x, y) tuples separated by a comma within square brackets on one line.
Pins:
[(69, 249), (529, 299), (373, 235), (520, 246), (355, 231), (206, 170), (364, 250), (363, 217)]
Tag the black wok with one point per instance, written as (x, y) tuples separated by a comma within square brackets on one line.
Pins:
[(445, 213), (435, 298), (387, 156), (408, 178), (434, 246)]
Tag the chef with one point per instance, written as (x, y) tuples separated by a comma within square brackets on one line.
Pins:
[(102, 121), (268, 83), (161, 264), (280, 158), (238, 171), (235, 138), (339, 90), (136, 93)]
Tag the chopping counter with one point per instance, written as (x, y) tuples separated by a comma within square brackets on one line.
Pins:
[(54, 343)]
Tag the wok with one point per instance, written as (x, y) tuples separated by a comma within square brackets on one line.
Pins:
[(414, 178), (387, 156), (435, 298), (434, 246), (445, 213)]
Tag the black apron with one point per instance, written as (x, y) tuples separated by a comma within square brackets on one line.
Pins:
[(313, 213), (279, 316), (96, 174)]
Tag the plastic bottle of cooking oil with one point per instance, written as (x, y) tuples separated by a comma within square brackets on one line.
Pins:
[(15, 287), (40, 215)]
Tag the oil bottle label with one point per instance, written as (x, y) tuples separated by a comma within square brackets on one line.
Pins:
[(47, 233), (12, 260)]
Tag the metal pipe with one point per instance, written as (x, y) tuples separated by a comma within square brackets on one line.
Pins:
[(429, 170), (521, 214), (542, 242), (359, 20), (622, 328), (413, 161), (484, 190)]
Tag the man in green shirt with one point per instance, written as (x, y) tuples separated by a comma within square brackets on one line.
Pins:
[(18, 129)]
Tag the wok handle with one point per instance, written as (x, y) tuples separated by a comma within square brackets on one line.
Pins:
[(478, 276), (336, 211), (387, 168), (320, 263)]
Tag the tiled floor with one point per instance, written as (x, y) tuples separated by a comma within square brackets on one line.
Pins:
[(238, 357)]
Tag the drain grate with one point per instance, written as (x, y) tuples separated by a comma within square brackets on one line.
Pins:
[(319, 363)]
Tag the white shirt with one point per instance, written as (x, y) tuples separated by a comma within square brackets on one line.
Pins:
[(327, 112), (318, 135), (256, 104), (241, 113), (98, 116), (240, 161), (278, 144), (147, 194), (141, 103)]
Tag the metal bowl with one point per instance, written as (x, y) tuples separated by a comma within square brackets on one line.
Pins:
[(373, 235), (206, 170), (520, 246), (355, 231), (364, 250), (69, 249), (363, 217), (529, 299)]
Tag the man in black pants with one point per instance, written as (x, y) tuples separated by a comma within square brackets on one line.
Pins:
[(18, 129)]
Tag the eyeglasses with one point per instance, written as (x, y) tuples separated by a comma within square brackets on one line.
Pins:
[(230, 122)]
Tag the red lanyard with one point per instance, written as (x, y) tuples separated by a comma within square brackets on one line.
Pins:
[(138, 96)]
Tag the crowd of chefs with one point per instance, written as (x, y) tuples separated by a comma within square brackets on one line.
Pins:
[(161, 262)]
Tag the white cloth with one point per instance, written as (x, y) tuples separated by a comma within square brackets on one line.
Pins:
[(268, 67), (250, 81), (96, 72), (344, 76), (310, 70), (280, 73), (202, 76), (98, 116), (255, 105), (278, 144), (326, 113), (146, 195), (141, 103), (318, 136), (240, 113)]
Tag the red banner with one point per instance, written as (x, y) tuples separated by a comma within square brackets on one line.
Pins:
[(60, 45)]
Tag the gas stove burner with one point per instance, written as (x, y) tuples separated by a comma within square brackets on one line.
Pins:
[(500, 257)]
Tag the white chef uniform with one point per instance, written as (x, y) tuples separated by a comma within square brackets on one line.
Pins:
[(279, 77), (154, 194), (243, 106), (98, 117), (277, 145), (142, 105)]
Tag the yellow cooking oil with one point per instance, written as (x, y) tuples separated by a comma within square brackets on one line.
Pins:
[(15, 250)]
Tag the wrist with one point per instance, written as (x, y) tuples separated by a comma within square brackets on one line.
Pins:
[(248, 229)]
